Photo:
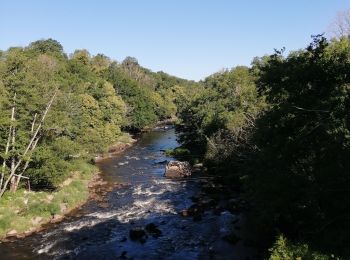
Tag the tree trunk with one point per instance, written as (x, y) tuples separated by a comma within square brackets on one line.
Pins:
[(32, 140), (8, 142)]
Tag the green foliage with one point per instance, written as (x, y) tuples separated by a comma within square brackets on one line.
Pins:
[(217, 121), (150, 97), (179, 153), (48, 46), (96, 99), (282, 130), (284, 249), (298, 178)]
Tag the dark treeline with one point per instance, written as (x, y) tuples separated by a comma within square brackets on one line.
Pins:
[(280, 132)]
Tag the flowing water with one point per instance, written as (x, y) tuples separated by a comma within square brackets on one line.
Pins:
[(96, 232)]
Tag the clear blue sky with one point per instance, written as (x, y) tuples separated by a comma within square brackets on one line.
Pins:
[(186, 38)]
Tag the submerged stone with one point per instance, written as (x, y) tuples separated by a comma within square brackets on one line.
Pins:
[(137, 233)]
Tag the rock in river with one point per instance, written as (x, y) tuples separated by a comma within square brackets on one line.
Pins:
[(153, 230), (137, 234), (177, 169)]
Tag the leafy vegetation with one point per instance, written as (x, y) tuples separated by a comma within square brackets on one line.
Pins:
[(96, 99), (284, 249), (58, 111), (280, 130)]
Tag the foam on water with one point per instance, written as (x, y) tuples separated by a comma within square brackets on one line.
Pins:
[(146, 203)]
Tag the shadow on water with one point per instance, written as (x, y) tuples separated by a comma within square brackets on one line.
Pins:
[(96, 232)]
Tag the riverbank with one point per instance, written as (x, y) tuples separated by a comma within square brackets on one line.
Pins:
[(124, 142), (26, 212)]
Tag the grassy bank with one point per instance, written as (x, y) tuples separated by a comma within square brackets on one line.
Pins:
[(23, 212)]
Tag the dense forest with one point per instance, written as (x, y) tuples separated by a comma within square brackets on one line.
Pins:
[(58, 112), (277, 131), (94, 99)]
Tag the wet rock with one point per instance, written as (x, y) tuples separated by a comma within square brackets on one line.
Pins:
[(123, 255), (232, 238), (161, 162), (197, 217), (12, 233), (153, 230), (211, 252), (137, 234), (143, 240), (198, 167), (210, 189), (184, 213), (103, 205), (194, 198), (218, 210), (207, 203), (195, 209), (235, 221), (177, 169)]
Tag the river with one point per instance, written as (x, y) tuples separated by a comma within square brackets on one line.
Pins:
[(102, 232)]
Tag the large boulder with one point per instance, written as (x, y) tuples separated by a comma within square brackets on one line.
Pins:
[(177, 169), (153, 230), (137, 234)]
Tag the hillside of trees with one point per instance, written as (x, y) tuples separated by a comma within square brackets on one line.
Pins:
[(280, 132), (94, 99)]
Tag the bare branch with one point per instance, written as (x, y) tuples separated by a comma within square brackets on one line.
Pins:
[(32, 140), (341, 24), (33, 123), (311, 110), (26, 164)]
